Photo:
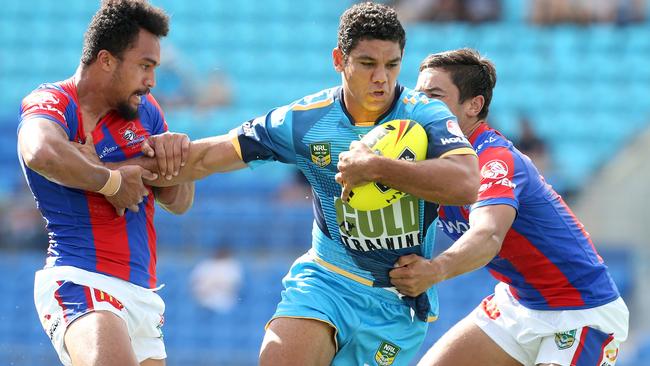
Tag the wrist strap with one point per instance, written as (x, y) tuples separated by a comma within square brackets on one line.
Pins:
[(112, 184)]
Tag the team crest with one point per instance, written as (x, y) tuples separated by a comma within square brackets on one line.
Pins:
[(564, 340), (386, 354), (494, 169), (321, 153), (129, 132)]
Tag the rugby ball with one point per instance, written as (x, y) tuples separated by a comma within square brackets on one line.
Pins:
[(400, 139)]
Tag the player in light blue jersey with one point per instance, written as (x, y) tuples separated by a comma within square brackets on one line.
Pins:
[(338, 306)]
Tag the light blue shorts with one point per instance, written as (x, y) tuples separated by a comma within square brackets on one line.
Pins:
[(373, 326)]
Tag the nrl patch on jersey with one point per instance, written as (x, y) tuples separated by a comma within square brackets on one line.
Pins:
[(394, 227)]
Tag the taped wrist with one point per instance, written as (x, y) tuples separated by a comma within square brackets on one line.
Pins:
[(112, 184)]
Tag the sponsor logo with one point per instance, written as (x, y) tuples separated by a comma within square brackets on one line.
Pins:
[(490, 307), (611, 352), (44, 107), (394, 227), (247, 127), (321, 153), (107, 150), (386, 353), (502, 182), (564, 340), (494, 169), (160, 324), (454, 128), (407, 155), (452, 140), (486, 141), (51, 325), (101, 296), (453, 227), (43, 97)]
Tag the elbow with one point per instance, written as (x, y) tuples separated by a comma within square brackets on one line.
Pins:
[(465, 190), (491, 241), (181, 209), (39, 158)]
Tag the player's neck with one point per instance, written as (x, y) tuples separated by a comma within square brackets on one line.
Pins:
[(469, 128), (359, 114), (90, 91)]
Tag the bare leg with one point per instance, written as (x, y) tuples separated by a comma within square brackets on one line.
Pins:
[(465, 344), (99, 338), (298, 342)]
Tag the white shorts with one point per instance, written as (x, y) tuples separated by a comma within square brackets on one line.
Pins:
[(564, 337), (63, 294)]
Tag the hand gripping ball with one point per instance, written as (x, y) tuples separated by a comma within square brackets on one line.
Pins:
[(400, 139)]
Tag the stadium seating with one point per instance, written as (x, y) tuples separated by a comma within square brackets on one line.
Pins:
[(584, 88)]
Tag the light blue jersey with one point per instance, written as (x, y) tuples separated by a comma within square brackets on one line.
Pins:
[(362, 246)]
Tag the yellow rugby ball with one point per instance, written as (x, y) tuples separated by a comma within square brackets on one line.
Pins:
[(400, 139)]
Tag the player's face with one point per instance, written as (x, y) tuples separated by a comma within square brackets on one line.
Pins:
[(369, 75), (436, 83), (134, 76)]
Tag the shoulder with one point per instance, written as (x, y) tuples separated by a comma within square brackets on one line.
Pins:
[(493, 139), (497, 154), (47, 94), (322, 99), (150, 105), (49, 101), (423, 109)]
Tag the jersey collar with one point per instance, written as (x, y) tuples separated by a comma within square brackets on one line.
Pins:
[(482, 127)]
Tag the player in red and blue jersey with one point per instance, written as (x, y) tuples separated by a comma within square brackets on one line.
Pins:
[(556, 303), (95, 296)]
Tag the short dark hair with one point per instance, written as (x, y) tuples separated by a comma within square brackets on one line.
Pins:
[(116, 25), (369, 21), (472, 74)]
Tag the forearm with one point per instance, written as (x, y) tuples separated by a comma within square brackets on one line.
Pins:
[(143, 161), (176, 199), (449, 181), (59, 161), (206, 156), (475, 249)]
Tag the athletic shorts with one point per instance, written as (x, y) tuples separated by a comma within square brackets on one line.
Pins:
[(63, 294), (373, 325), (586, 337)]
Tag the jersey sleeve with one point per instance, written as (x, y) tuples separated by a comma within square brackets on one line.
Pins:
[(445, 135), (267, 138), (51, 104), (158, 122), (502, 178)]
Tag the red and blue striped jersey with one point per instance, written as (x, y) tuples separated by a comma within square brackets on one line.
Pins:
[(547, 258), (84, 230)]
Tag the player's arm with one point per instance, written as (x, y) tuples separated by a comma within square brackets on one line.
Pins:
[(44, 147), (450, 180), (474, 249), (175, 199), (206, 156)]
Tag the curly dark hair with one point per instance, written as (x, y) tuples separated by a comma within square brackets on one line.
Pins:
[(472, 74), (116, 25), (369, 21)]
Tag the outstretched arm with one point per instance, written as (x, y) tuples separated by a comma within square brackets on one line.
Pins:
[(476, 248), (206, 156)]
